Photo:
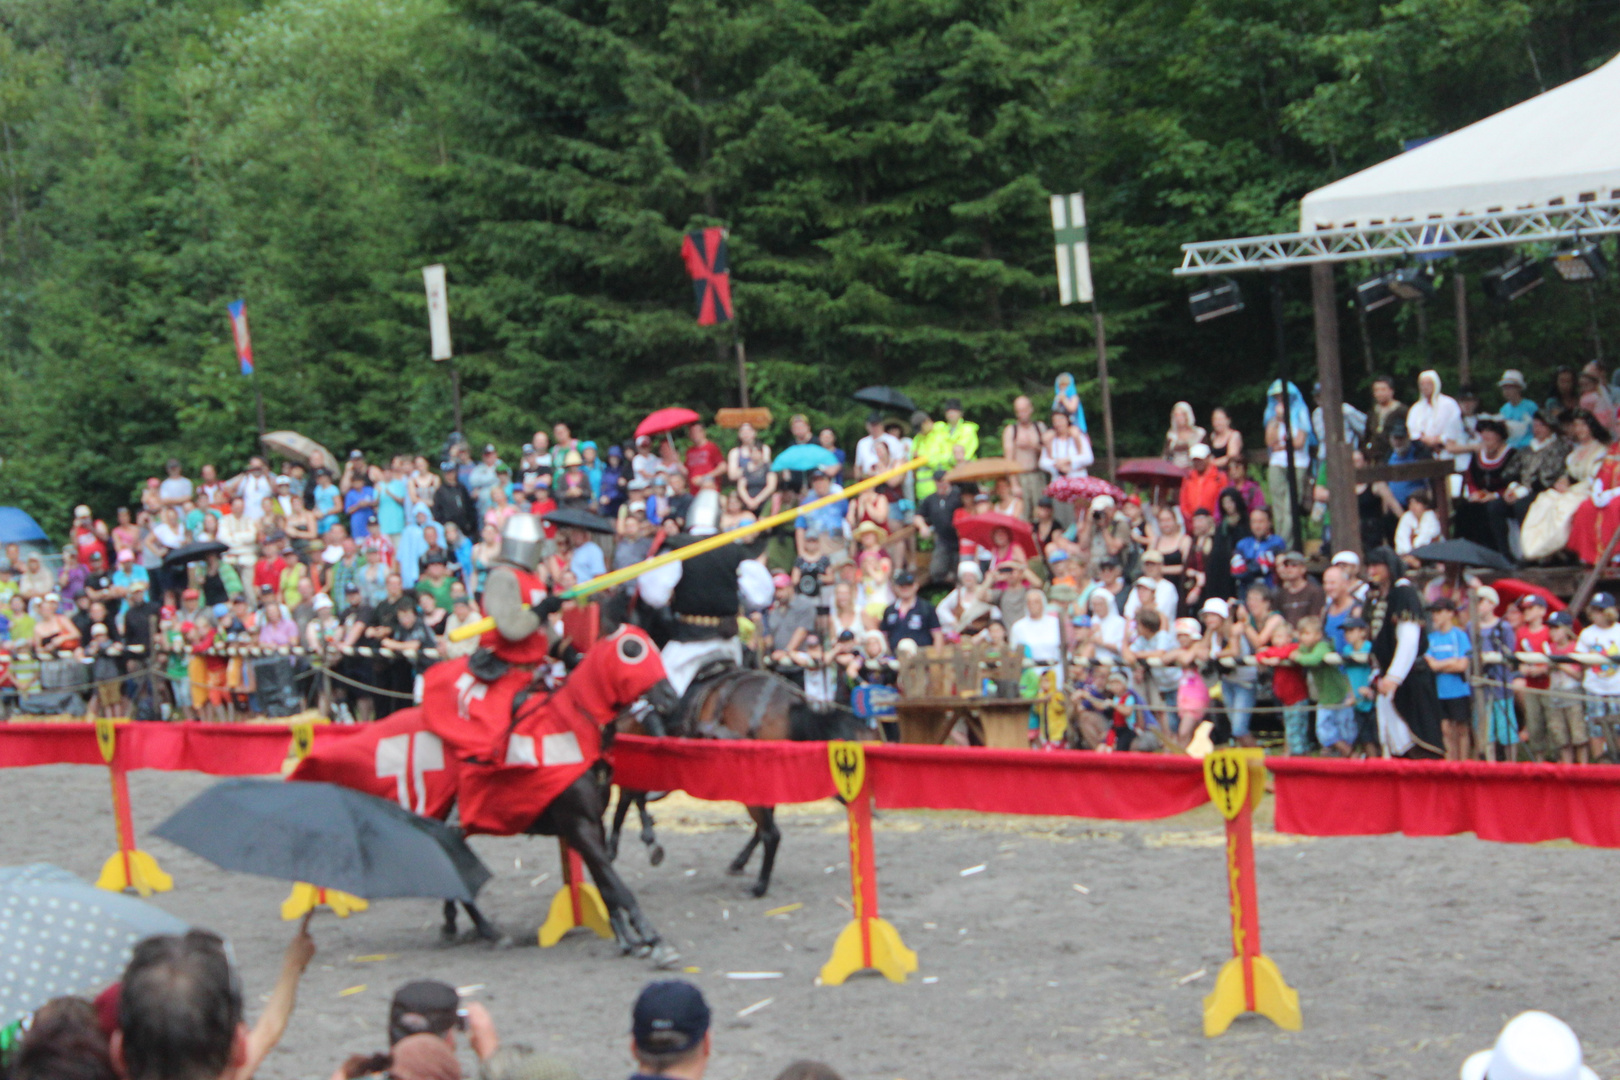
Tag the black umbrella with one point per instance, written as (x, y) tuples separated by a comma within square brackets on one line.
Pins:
[(332, 837), (884, 397), (578, 519), (191, 553), (1464, 553)]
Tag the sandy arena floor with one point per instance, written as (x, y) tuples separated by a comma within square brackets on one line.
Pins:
[(1408, 954)]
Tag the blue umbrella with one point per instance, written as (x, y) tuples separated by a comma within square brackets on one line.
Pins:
[(16, 527), (803, 458), (61, 935)]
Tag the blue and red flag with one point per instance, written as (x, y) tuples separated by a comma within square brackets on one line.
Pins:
[(239, 330), (705, 255)]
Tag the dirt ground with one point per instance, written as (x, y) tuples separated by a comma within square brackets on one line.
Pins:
[(1407, 953)]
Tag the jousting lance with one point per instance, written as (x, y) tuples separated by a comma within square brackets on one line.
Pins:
[(681, 554)]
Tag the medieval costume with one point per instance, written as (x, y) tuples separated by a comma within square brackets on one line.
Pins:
[(1408, 719)]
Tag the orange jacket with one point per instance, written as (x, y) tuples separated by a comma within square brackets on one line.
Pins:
[(1201, 490)]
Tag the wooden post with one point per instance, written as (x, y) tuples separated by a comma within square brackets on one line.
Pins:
[(1346, 518), (742, 373), (455, 394), (1102, 379), (1459, 288), (258, 400)]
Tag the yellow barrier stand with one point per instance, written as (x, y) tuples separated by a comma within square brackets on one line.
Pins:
[(1250, 981), (868, 941)]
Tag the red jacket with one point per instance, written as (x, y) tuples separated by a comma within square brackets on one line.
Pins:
[(1201, 491)]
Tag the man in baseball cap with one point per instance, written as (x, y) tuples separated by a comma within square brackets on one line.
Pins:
[(669, 1031)]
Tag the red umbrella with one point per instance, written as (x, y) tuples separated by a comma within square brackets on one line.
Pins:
[(666, 420), (1152, 471), (979, 527)]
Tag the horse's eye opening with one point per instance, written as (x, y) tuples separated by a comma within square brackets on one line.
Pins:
[(632, 650)]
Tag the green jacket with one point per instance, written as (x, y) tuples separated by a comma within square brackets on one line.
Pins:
[(938, 445), (1329, 686)]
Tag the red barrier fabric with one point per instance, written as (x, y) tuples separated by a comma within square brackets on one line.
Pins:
[(1119, 787), (217, 749), (752, 773), (1511, 803), (1114, 786)]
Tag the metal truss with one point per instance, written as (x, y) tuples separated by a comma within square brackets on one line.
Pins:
[(1428, 237)]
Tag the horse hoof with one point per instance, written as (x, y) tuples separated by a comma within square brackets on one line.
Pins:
[(736, 868), (664, 956), (656, 855), (760, 888)]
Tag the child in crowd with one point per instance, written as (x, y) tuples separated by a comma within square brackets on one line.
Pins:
[(1418, 526), (1289, 685), (1566, 717), (1192, 692), (1602, 681), (1130, 725), (1087, 705), (1531, 637), (1449, 649), (1357, 668), (1329, 689), (1155, 642), (1496, 636)]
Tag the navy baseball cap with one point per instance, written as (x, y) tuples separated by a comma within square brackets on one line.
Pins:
[(1560, 618), (670, 1017), (1602, 600), (1353, 623)]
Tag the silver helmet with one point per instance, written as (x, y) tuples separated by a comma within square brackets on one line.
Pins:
[(521, 540), (703, 517)]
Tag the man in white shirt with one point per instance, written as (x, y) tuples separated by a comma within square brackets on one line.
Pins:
[(1153, 580), (253, 487), (1039, 631), (866, 455), (1435, 419), (175, 489)]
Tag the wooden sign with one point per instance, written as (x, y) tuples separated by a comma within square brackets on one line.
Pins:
[(736, 418)]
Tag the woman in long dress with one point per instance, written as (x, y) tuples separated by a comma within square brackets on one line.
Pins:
[(1596, 519), (1547, 526)]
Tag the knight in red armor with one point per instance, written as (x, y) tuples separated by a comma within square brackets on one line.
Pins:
[(514, 593)]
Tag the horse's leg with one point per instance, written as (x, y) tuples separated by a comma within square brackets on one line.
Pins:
[(740, 863), (619, 813), (448, 931), (576, 816), (655, 850), (486, 930), (765, 828)]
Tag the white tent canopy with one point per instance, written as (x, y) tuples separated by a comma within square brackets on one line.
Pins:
[(1560, 147)]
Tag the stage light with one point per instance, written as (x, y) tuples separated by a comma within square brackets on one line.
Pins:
[(1583, 262), (1410, 283), (1374, 293), (1512, 279), (1222, 298)]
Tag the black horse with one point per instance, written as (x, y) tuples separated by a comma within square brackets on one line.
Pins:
[(727, 702)]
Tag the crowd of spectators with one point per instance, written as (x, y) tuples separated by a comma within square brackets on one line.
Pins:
[(1214, 587), (179, 1014)]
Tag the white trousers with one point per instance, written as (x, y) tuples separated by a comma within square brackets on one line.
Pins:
[(682, 659)]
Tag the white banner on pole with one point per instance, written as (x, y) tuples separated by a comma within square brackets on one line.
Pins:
[(438, 310), (1073, 250)]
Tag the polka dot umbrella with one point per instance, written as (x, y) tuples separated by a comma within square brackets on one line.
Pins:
[(61, 935)]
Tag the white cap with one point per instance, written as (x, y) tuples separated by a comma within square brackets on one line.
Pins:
[(970, 566), (1199, 452), (1218, 606), (1190, 627), (1102, 502), (81, 511), (1511, 377), (1347, 558), (1533, 1046), (322, 601), (98, 630), (283, 479)]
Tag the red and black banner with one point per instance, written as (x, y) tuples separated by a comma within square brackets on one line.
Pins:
[(705, 255)]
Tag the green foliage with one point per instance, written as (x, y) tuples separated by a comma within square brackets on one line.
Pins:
[(882, 166)]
